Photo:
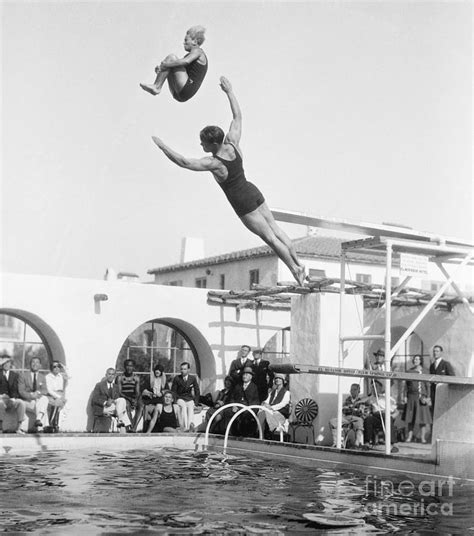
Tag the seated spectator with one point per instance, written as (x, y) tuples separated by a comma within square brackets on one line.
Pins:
[(417, 411), (10, 401), (262, 375), (56, 382), (107, 402), (352, 414), (152, 393), (278, 401), (246, 393), (32, 389), (166, 416), (129, 387), (237, 366), (375, 421), (186, 390), (220, 421)]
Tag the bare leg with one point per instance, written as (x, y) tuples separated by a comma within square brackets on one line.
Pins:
[(177, 78), (257, 223)]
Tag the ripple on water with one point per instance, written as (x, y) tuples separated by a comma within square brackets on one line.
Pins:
[(171, 491)]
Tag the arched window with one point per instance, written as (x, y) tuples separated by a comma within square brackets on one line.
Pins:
[(157, 342), (23, 341)]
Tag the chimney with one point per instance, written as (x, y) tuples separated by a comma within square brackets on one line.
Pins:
[(191, 249)]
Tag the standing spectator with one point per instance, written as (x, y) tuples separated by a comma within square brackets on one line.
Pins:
[(186, 391), (238, 364), (440, 367), (9, 396), (278, 402), (417, 411), (262, 376), (377, 386), (246, 393), (56, 382), (129, 388), (32, 389), (107, 402)]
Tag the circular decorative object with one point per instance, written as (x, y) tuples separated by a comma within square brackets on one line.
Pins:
[(306, 410)]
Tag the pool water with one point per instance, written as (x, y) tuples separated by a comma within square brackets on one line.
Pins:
[(173, 491)]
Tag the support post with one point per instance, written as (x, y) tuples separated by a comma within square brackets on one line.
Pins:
[(388, 342), (341, 350)]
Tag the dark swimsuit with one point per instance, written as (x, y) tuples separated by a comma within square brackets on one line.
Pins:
[(244, 196), (196, 73), (166, 420)]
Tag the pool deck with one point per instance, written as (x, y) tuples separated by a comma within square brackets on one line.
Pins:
[(414, 459)]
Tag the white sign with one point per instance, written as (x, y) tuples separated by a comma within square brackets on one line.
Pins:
[(413, 264)]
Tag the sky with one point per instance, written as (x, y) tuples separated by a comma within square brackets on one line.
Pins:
[(353, 110)]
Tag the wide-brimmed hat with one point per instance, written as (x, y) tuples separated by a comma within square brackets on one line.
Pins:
[(380, 351), (4, 358), (248, 370)]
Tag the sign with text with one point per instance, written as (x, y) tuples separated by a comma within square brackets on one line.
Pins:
[(413, 264)]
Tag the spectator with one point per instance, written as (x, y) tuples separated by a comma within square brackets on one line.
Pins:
[(440, 367), (107, 402), (186, 390), (245, 393), (374, 422), (56, 382), (417, 410), (238, 364), (262, 376), (220, 421), (166, 416), (278, 402), (152, 394), (377, 386), (32, 389), (10, 401), (129, 388), (352, 414)]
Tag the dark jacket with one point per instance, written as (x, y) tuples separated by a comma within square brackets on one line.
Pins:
[(262, 378), (248, 397), (100, 395), (10, 387), (236, 368), (184, 388), (444, 368)]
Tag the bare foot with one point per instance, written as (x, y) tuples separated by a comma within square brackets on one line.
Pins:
[(150, 89), (300, 275)]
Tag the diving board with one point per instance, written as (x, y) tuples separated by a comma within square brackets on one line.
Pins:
[(364, 228)]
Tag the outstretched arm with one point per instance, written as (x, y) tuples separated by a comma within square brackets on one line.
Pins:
[(194, 164), (235, 129)]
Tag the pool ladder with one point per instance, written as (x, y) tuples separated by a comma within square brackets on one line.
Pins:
[(242, 409)]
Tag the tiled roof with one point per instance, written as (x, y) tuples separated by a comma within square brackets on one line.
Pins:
[(326, 247)]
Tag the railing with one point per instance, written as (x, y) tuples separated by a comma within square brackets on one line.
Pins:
[(242, 410)]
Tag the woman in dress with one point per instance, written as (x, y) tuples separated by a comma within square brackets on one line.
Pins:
[(417, 411), (56, 382), (278, 402), (152, 394), (246, 199)]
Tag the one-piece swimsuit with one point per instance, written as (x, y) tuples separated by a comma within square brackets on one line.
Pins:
[(196, 73), (244, 196)]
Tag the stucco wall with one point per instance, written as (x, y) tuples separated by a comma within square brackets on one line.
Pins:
[(88, 338)]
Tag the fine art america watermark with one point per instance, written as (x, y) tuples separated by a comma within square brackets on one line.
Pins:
[(408, 498)]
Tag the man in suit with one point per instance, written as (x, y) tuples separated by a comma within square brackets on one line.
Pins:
[(10, 401), (106, 400), (262, 376), (440, 367), (238, 364), (186, 390), (33, 390), (246, 393)]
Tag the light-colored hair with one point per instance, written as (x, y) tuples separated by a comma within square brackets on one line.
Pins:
[(197, 33)]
